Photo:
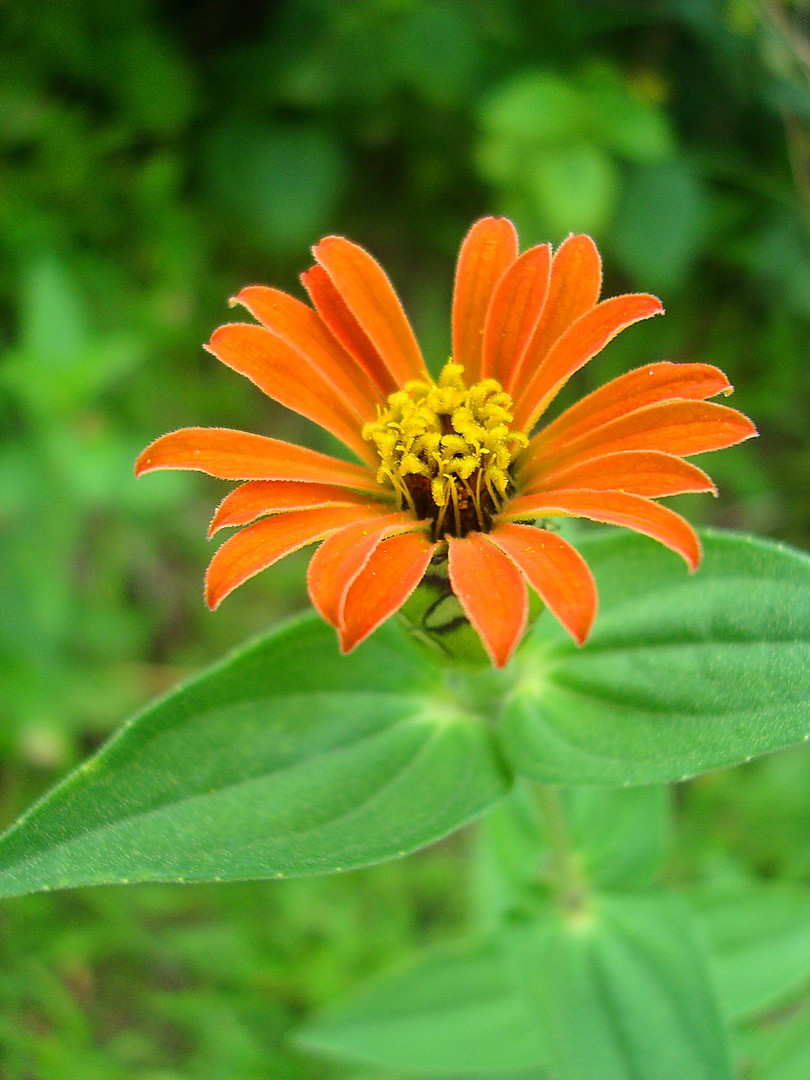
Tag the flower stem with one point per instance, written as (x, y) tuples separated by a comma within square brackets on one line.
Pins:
[(565, 873)]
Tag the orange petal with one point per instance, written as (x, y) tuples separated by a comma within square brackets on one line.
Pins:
[(342, 556), (370, 297), (347, 331), (646, 385), (492, 592), (389, 577), (488, 249), (259, 497), (576, 278), (555, 570), (681, 428), (302, 328), (613, 508), (575, 347), (258, 546), (290, 378), (641, 472), (516, 306), (240, 455)]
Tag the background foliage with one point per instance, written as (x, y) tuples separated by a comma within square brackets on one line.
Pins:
[(158, 156)]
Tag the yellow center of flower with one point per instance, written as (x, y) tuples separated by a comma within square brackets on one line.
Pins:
[(447, 448)]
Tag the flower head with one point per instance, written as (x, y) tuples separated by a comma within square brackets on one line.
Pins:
[(451, 472)]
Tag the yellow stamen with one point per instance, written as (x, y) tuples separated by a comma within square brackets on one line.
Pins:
[(442, 444)]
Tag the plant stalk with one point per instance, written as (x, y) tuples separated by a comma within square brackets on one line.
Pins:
[(565, 873)]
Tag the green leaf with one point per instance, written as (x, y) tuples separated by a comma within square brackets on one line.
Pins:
[(282, 182), (153, 82), (435, 50), (618, 838), (682, 673), (572, 186), (619, 989), (55, 338), (760, 942), (453, 1011), (661, 224), (53, 321), (286, 759), (788, 1055), (622, 835), (622, 119), (534, 108)]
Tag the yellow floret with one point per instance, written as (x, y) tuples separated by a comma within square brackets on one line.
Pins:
[(458, 438)]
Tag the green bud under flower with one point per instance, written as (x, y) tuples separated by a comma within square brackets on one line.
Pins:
[(435, 618)]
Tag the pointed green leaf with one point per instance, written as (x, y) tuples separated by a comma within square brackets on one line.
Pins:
[(620, 990), (682, 673), (286, 759), (452, 1012), (759, 936), (787, 1055), (622, 835)]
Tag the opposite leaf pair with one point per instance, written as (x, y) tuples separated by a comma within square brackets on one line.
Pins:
[(288, 759)]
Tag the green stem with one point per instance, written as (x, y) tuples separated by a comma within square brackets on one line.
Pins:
[(565, 873)]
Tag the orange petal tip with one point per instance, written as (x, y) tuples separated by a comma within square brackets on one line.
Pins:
[(694, 557), (650, 304), (657, 308), (220, 332), (328, 242), (143, 461), (215, 593), (235, 301)]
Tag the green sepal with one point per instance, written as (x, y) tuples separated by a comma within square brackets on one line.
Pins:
[(435, 619)]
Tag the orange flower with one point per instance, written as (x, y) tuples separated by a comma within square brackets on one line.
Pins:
[(450, 471)]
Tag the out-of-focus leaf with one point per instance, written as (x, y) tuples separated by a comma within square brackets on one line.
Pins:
[(52, 320), (534, 108), (621, 119), (780, 257), (619, 989), (541, 109), (451, 1012), (682, 673), (283, 182), (660, 225), (618, 837), (787, 1056), (58, 365), (435, 50), (621, 834), (153, 82), (573, 188), (760, 940)]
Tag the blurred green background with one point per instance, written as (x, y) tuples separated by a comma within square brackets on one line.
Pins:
[(158, 156)]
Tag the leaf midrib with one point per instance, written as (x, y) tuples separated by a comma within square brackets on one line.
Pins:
[(167, 804)]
